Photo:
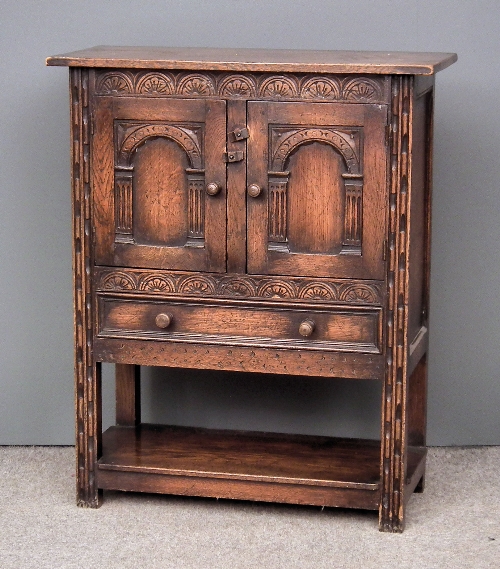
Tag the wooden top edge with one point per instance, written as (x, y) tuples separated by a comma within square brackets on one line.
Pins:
[(263, 60)]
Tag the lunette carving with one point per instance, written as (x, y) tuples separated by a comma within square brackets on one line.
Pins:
[(86, 370), (286, 86), (156, 83), (393, 448), (230, 286), (237, 86)]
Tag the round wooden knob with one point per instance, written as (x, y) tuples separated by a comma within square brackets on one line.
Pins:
[(164, 320), (306, 328), (254, 190), (213, 188)]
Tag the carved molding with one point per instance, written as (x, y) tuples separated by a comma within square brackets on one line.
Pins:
[(135, 135), (393, 459), (353, 215), (86, 370), (285, 86), (243, 286), (286, 141), (196, 205)]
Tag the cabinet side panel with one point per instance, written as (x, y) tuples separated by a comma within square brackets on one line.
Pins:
[(419, 214)]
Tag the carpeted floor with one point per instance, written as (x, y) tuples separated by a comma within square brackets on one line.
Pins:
[(454, 524)]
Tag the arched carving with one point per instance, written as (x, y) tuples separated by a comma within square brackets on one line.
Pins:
[(184, 137), (280, 87), (157, 283), (277, 288), (361, 89), (196, 85), (291, 140), (155, 83), (115, 83), (327, 88), (118, 281), (237, 86)]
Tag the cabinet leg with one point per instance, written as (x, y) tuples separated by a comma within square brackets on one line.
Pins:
[(417, 410), (88, 435), (128, 395), (394, 525)]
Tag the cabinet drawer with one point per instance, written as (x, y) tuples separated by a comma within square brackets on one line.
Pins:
[(356, 329)]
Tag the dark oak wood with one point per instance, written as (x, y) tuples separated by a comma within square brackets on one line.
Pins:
[(315, 363), (320, 182), (296, 469), (241, 59), (259, 211), (242, 324), (128, 395)]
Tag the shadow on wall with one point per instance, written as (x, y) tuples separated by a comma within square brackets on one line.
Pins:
[(251, 401)]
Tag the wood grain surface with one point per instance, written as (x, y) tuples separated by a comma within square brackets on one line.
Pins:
[(424, 63)]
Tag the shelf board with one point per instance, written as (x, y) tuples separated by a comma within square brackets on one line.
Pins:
[(294, 469)]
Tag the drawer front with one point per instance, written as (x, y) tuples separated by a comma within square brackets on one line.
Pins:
[(356, 329)]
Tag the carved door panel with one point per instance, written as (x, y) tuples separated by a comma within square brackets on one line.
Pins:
[(321, 208), (159, 183)]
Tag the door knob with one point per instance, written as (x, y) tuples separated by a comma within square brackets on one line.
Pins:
[(164, 319), (254, 190), (306, 328), (213, 188)]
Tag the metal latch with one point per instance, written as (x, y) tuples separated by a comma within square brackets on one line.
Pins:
[(239, 134), (234, 156)]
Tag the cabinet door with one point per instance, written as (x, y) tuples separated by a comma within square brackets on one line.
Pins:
[(322, 170), (152, 160)]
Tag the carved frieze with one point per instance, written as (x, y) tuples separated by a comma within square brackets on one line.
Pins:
[(287, 86), (230, 286)]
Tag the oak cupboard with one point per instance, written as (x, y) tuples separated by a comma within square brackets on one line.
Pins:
[(256, 210)]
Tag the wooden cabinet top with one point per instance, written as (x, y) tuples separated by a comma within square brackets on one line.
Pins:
[(258, 60)]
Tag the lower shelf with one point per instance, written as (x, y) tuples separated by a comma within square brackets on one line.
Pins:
[(250, 466)]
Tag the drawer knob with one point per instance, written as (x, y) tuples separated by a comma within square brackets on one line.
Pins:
[(164, 320), (213, 188), (254, 190), (306, 328)]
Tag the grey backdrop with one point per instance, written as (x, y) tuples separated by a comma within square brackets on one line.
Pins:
[(36, 385)]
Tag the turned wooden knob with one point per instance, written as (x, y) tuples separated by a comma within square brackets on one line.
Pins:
[(254, 190), (164, 320), (213, 188), (306, 328)]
